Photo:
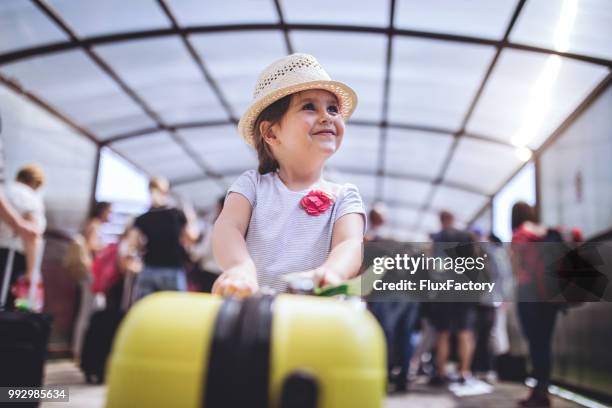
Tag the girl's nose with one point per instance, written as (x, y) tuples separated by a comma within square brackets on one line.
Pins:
[(325, 118)]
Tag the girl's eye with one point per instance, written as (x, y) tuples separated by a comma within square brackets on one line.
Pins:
[(333, 109), (309, 106)]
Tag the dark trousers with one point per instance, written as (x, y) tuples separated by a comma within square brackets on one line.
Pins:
[(397, 320), (483, 358), (538, 323)]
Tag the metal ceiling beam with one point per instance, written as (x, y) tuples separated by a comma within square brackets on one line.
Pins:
[(476, 98), (167, 127), (569, 121), (363, 123), (283, 25), (198, 61), (57, 19), (382, 141), (163, 32)]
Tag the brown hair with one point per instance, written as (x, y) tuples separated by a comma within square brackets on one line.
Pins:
[(99, 208), (522, 212), (446, 217), (273, 114), (31, 175), (159, 184)]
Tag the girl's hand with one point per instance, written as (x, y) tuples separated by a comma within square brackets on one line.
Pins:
[(235, 282), (320, 276)]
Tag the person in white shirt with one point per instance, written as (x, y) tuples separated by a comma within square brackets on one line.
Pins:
[(24, 228), (23, 196)]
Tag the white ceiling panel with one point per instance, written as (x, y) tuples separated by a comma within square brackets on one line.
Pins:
[(92, 99), (528, 96), (341, 12), (172, 86), (583, 27), (202, 194), (463, 204), (237, 77), (416, 153), (198, 12), (93, 17), (158, 154), (359, 149), (482, 165), (434, 82), (410, 192), (221, 148), (22, 25), (339, 58), (456, 16)]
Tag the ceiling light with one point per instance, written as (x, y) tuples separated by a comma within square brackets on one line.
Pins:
[(565, 25), (539, 102), (523, 153)]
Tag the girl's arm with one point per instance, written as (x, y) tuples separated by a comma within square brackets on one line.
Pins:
[(345, 257), (229, 248)]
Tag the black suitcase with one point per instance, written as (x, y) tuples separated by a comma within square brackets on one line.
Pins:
[(98, 342), (101, 331), (24, 337)]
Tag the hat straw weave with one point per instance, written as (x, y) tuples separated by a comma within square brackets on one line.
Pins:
[(291, 74)]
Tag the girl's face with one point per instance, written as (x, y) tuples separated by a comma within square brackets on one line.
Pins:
[(311, 127)]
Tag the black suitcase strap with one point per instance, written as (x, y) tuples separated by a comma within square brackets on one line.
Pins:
[(238, 372), (239, 357)]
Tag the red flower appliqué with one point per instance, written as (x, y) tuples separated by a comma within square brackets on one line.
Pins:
[(316, 202)]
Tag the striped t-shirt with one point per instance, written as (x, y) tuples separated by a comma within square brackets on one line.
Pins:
[(282, 238)]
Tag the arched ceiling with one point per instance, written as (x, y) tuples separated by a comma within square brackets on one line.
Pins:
[(454, 96)]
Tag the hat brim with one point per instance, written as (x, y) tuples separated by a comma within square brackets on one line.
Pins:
[(347, 98)]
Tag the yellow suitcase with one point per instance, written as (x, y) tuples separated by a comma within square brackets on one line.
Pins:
[(289, 351)]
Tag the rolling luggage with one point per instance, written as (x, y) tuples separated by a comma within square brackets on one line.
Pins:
[(24, 337), (100, 333), (291, 351), (97, 344)]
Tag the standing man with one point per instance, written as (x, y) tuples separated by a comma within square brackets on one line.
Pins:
[(452, 316)]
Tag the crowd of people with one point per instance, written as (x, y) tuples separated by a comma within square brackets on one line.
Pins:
[(478, 329)]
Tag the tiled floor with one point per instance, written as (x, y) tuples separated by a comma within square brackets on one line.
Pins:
[(504, 395)]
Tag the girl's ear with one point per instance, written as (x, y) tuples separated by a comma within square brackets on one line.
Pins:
[(266, 129)]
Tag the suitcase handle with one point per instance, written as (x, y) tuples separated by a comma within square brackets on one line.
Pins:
[(6, 281), (300, 390)]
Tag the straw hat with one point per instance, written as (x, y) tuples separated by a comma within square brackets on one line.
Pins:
[(291, 74)]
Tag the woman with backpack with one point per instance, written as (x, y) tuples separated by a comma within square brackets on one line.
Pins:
[(537, 315)]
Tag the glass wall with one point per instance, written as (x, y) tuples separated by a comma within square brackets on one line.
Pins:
[(577, 172), (31, 135)]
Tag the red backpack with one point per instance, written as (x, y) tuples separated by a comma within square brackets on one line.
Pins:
[(105, 269)]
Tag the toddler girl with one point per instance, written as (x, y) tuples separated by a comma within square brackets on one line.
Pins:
[(284, 217)]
